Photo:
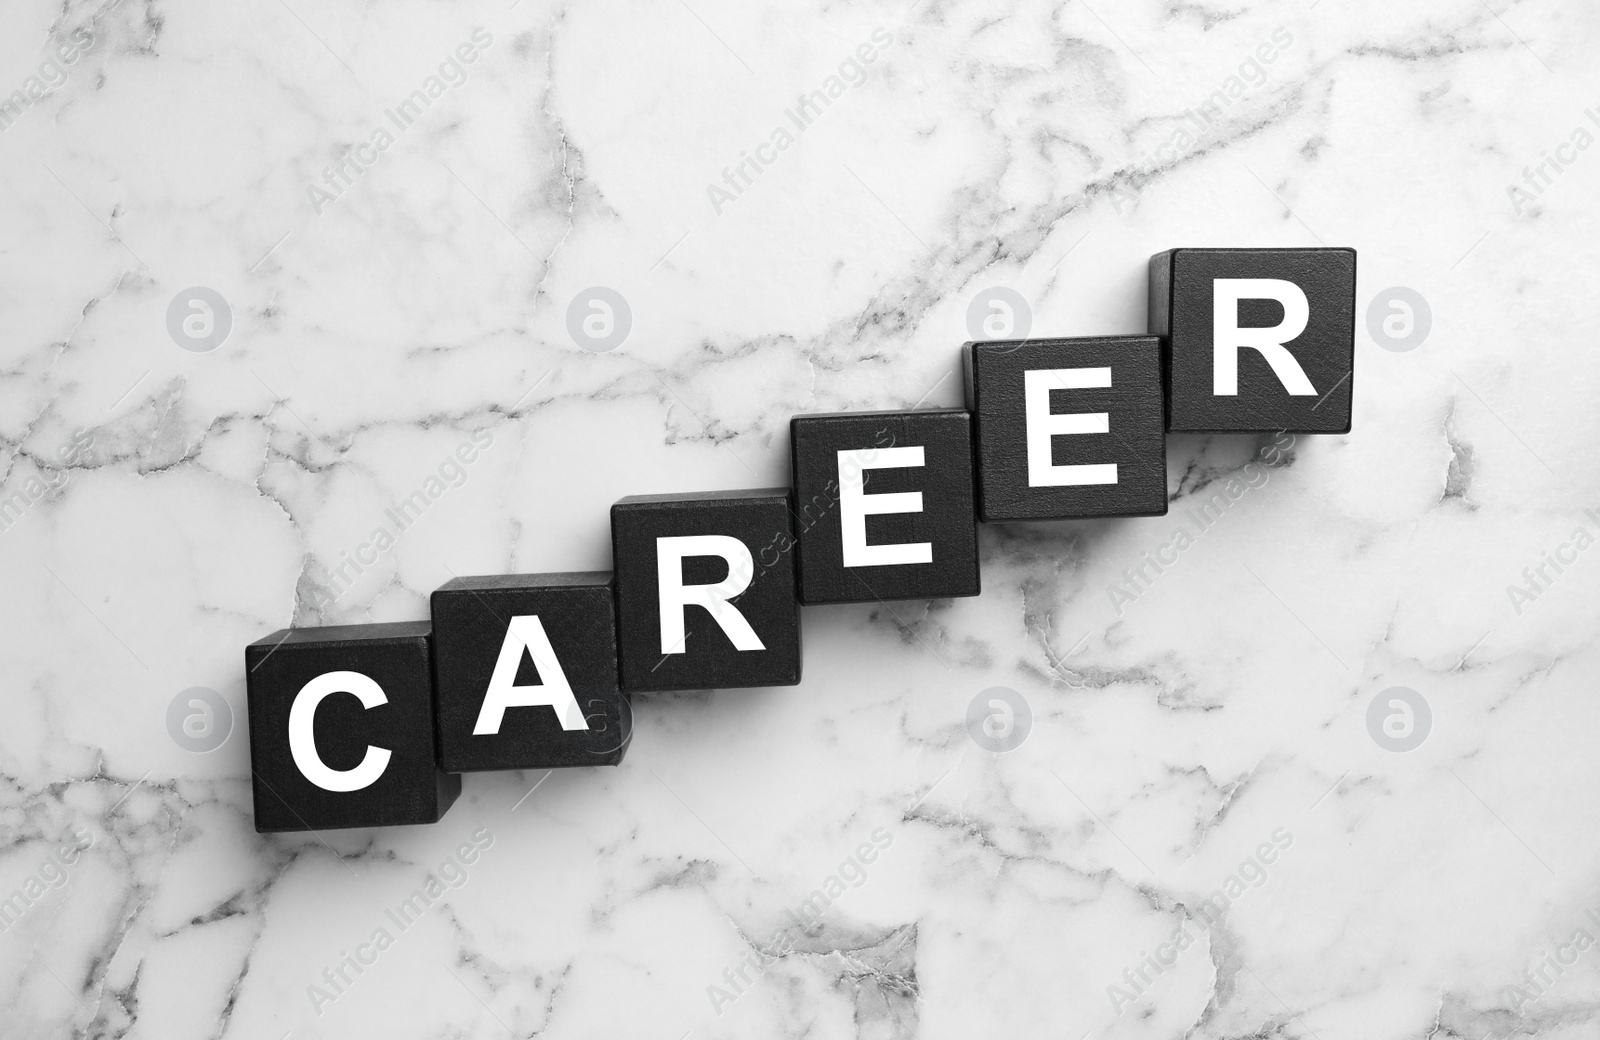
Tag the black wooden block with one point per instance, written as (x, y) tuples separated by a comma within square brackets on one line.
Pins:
[(525, 672), (1068, 428), (1256, 340), (884, 505), (705, 590), (341, 728)]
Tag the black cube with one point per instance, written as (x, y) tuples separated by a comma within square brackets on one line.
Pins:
[(1256, 340), (706, 590), (341, 728), (1067, 429), (525, 672), (884, 505)]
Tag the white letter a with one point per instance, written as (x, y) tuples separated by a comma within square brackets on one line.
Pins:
[(526, 633)]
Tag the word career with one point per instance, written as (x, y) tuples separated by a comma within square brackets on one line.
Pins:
[(372, 725)]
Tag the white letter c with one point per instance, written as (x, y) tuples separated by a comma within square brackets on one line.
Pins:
[(302, 739)]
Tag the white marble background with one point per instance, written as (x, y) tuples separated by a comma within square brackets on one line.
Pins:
[(991, 144)]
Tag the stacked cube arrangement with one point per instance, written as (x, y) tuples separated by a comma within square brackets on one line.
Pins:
[(372, 725)]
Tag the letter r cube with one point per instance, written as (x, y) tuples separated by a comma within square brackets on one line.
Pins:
[(1256, 340), (705, 589)]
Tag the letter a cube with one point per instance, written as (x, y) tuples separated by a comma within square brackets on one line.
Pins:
[(525, 671)]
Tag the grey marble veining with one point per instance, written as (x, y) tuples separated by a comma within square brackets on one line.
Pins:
[(1202, 835)]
